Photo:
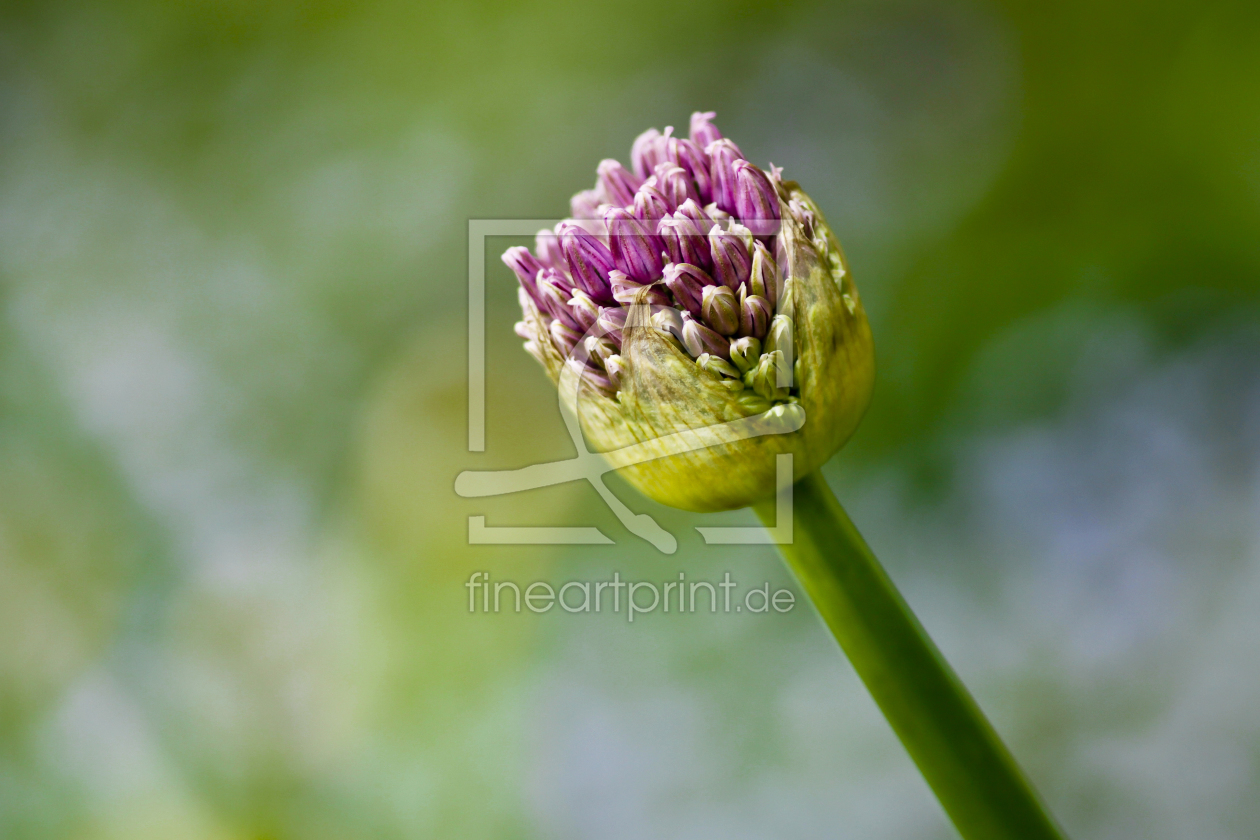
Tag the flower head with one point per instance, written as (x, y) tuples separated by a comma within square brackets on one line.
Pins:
[(688, 292)]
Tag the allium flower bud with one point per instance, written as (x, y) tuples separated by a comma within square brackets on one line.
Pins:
[(636, 249), (646, 152), (756, 200), (703, 131), (526, 267), (589, 261), (722, 157), (731, 262), (698, 338), (584, 308), (692, 158), (555, 292), (547, 247), (805, 384), (763, 279), (687, 283), (611, 321), (720, 309), (650, 205), (564, 337), (755, 313), (675, 184), (617, 183), (745, 352), (585, 205)]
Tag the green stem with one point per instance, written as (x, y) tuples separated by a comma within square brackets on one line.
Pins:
[(956, 749)]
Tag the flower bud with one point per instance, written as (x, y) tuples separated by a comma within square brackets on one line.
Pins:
[(763, 279), (803, 386), (564, 337), (720, 309), (675, 184), (703, 131), (692, 158), (526, 267), (698, 338), (731, 263), (650, 205), (718, 367), (766, 376), (687, 283), (547, 247), (636, 250), (755, 313), (722, 156), (585, 205), (589, 261), (617, 184), (646, 152), (555, 293), (584, 308), (756, 200), (745, 352)]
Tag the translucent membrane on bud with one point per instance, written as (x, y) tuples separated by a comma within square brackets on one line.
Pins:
[(617, 183)]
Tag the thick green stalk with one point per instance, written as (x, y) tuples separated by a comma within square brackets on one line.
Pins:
[(956, 749)]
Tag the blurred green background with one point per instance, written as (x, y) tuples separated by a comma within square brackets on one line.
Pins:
[(233, 404)]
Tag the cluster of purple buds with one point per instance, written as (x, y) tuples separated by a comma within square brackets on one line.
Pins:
[(690, 227)]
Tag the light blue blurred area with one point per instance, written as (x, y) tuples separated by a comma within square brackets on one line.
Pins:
[(233, 405)]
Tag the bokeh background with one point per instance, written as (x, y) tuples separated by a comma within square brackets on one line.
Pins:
[(233, 404)]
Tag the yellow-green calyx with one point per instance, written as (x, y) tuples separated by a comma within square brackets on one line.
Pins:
[(715, 384)]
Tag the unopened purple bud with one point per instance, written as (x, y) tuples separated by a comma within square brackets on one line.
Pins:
[(731, 262), (589, 261), (703, 131), (764, 278), (600, 380), (636, 249), (626, 290), (692, 158), (717, 214), (722, 156), (617, 183), (612, 320), (526, 267), (585, 205), (755, 313), (647, 152), (756, 200), (675, 185), (584, 308), (649, 204), (547, 248), (698, 338), (720, 309), (687, 282), (684, 241), (564, 337), (555, 293)]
